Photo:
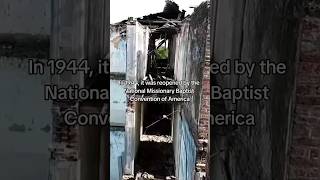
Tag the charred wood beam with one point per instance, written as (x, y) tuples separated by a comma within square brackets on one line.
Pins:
[(158, 21)]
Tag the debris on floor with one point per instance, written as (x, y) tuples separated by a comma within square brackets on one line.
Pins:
[(153, 138)]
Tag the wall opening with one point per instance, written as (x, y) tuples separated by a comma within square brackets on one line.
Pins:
[(157, 119), (159, 51)]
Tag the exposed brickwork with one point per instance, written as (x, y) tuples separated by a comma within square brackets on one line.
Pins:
[(204, 121), (65, 138), (305, 148)]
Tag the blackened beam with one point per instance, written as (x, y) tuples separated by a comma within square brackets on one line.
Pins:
[(168, 20), (158, 21)]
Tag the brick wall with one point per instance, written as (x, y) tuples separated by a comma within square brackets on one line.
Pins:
[(204, 120), (205, 96), (304, 163), (65, 138)]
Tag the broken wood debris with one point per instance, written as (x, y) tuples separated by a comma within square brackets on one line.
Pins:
[(147, 176), (154, 138)]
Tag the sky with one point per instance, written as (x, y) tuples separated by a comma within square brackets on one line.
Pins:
[(122, 9)]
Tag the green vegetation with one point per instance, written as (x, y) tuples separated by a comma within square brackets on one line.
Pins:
[(162, 53)]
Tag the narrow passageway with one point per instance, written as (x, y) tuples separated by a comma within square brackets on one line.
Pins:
[(155, 158), (166, 107), (155, 154)]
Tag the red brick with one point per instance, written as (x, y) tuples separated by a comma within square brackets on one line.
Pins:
[(309, 122), (314, 172), (309, 68), (304, 162), (204, 116), (300, 152), (310, 48), (315, 132), (205, 110), (310, 79), (307, 111), (207, 93), (206, 97), (303, 141), (205, 103), (308, 100), (204, 124), (314, 154), (301, 132), (311, 28), (303, 90), (297, 172)]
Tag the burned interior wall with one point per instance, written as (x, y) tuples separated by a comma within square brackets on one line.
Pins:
[(118, 48), (118, 104), (190, 53), (118, 63), (184, 147), (137, 51), (136, 66), (67, 41), (252, 31), (78, 32), (118, 99), (191, 47), (117, 144)]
